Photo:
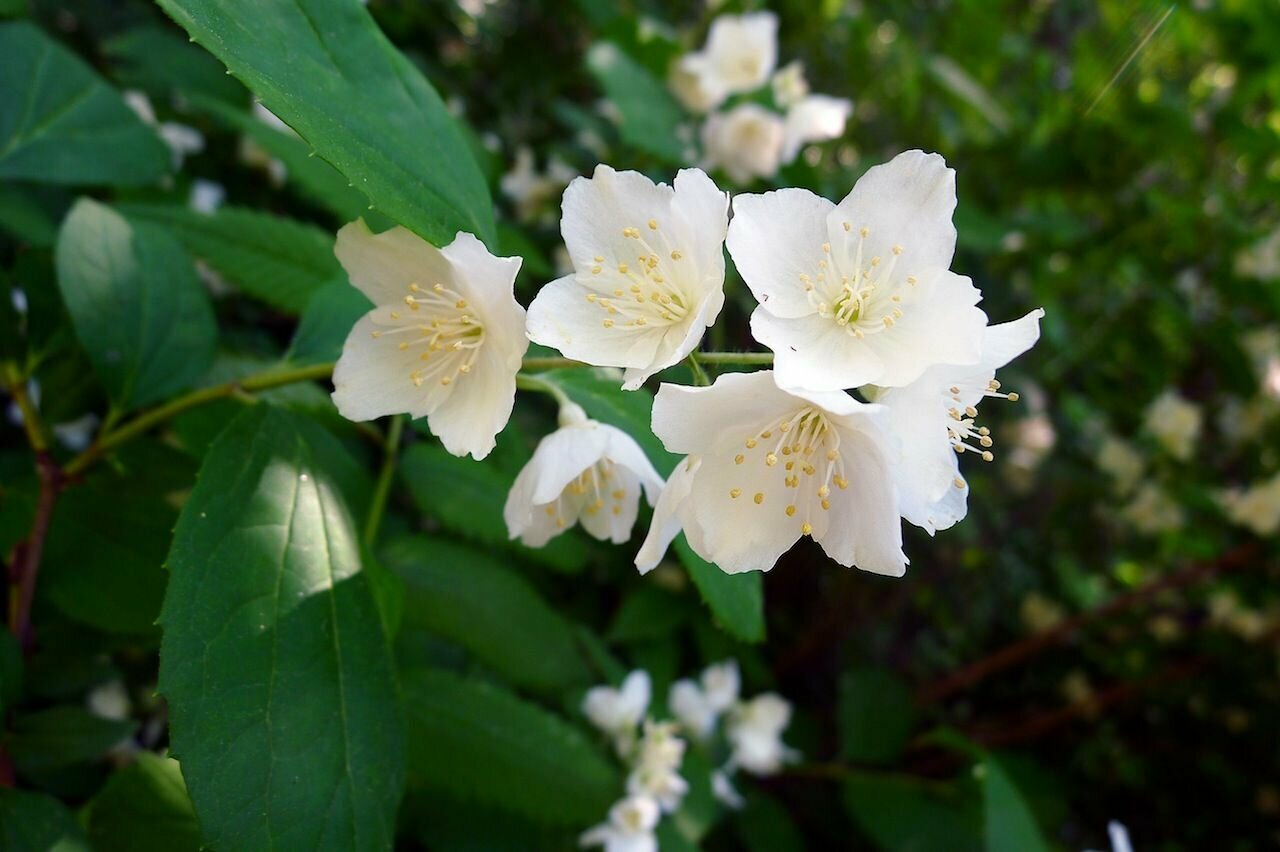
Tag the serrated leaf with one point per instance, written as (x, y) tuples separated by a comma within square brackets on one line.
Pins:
[(34, 822), (144, 808), (736, 600), (62, 735), (467, 498), (877, 713), (471, 598), (327, 321), (278, 676), (326, 69), (67, 126), (479, 741), (281, 261), (650, 115), (136, 304), (164, 65)]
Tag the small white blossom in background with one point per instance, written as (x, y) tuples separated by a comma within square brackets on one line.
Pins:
[(765, 467), (1263, 347), (740, 54), (814, 118), (724, 791), (789, 84), (656, 766), (1175, 423), (1118, 459), (1226, 611), (617, 712), (859, 293), (531, 190), (648, 272), (586, 472), (109, 700), (444, 340), (1256, 508), (181, 139), (746, 141), (755, 730), (1261, 260), (629, 829), (1119, 837), (206, 196), (1153, 511), (698, 704), (76, 435), (255, 156)]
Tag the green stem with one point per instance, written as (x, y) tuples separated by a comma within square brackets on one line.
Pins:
[(699, 375), (732, 357), (383, 488), (524, 381), (31, 422)]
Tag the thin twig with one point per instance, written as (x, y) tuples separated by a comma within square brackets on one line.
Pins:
[(385, 476)]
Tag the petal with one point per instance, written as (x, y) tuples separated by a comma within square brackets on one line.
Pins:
[(666, 521), (813, 352), (865, 531), (478, 406), (372, 378), (597, 210), (704, 208), (622, 449), (775, 238), (383, 265), (690, 420), (907, 201), (562, 318), (814, 118), (743, 50), (607, 525), (1006, 341), (740, 534), (489, 282), (942, 326), (927, 465), (562, 456), (678, 341), (951, 507)]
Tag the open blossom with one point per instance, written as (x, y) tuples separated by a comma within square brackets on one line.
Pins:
[(586, 472), (813, 118), (789, 84), (935, 417), (740, 54), (859, 293), (648, 272), (1175, 423), (656, 767), (755, 731), (698, 705), (766, 466), (618, 711), (746, 142), (444, 340), (1257, 507), (629, 829)]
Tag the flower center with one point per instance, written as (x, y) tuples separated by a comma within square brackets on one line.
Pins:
[(963, 428), (862, 294), (588, 494), (446, 337), (808, 449), (644, 290)]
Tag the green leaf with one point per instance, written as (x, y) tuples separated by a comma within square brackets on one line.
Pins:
[(650, 115), (280, 261), (144, 808), (34, 822), (164, 65), (736, 600), (135, 303), (10, 671), (104, 557), (274, 662), (1008, 823), (469, 597), (468, 498), (902, 814), (648, 612), (326, 322), (360, 104), (60, 123), (31, 212), (479, 741), (600, 394), (877, 714), (765, 826), (61, 736)]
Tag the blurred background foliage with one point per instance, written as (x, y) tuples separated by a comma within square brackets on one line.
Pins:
[(1097, 641)]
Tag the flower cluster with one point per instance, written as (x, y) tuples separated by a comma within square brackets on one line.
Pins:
[(653, 751), (747, 139), (856, 296)]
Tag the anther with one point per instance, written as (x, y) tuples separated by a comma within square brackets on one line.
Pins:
[(791, 510), (806, 528), (739, 458), (735, 493), (770, 459), (653, 224), (759, 498)]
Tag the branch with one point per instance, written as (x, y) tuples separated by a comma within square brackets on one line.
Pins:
[(376, 508)]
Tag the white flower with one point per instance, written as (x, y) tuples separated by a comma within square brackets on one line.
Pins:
[(1119, 837), (767, 466), (648, 272), (934, 420), (206, 196), (746, 142), (755, 731), (1175, 423), (109, 700), (722, 788), (1257, 507), (584, 471), (531, 190), (1153, 511), (1261, 260), (181, 139), (815, 118), (698, 706), (629, 829), (720, 684), (445, 338), (789, 84), (618, 711), (686, 84), (1125, 465), (859, 293), (740, 54), (655, 769)]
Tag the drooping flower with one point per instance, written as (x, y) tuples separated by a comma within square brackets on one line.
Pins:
[(618, 711), (656, 767), (629, 829), (766, 466), (859, 293), (586, 472), (698, 706), (755, 731), (745, 141), (740, 54), (444, 340), (648, 272), (1175, 423), (813, 118), (934, 418)]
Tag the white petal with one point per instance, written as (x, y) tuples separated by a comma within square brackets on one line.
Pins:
[(562, 318), (478, 406), (383, 265), (927, 466), (489, 283), (814, 118), (813, 352), (704, 208), (746, 142), (563, 455), (678, 341), (372, 378), (622, 449), (602, 523), (666, 515), (1006, 341), (597, 210), (907, 201), (689, 419), (742, 50), (739, 534), (775, 238), (865, 531), (942, 326)]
